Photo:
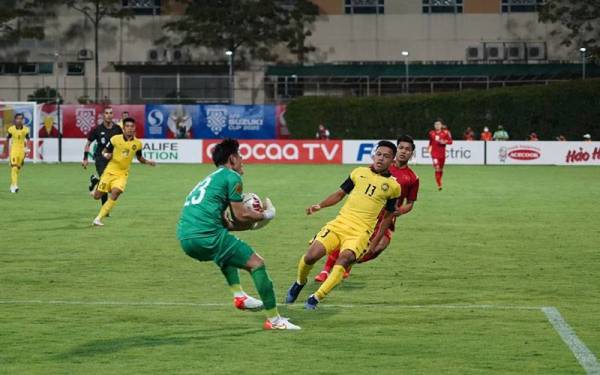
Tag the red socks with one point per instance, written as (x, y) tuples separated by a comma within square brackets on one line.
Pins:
[(331, 259), (438, 178)]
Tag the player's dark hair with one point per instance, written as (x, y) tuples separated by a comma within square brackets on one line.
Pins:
[(224, 150), (19, 114), (406, 138), (439, 119), (389, 145), (128, 119)]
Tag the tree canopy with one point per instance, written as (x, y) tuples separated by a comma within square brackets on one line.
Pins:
[(580, 19), (245, 27)]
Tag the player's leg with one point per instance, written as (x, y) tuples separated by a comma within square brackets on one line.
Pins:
[(441, 163), (100, 164), (381, 246), (116, 186), (240, 255), (329, 263), (16, 162), (437, 172), (345, 260), (324, 242)]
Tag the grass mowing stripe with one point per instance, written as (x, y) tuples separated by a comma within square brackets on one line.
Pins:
[(584, 356)]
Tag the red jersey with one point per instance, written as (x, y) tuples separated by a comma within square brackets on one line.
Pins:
[(438, 142), (409, 182), (486, 136)]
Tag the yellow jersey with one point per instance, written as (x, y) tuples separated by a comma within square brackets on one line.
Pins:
[(368, 193), (122, 154), (19, 137)]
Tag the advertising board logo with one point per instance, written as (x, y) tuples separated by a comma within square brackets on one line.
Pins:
[(155, 120), (85, 119), (524, 153), (216, 119), (519, 153)]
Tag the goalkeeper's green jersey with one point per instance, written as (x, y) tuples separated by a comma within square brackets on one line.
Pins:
[(202, 214)]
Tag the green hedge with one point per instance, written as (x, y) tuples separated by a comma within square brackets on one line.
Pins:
[(569, 108)]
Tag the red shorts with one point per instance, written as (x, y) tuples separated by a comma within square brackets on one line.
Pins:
[(438, 162)]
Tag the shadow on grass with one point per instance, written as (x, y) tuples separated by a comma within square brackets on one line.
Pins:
[(114, 345)]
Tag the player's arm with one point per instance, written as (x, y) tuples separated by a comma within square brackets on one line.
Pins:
[(449, 138), (86, 148), (404, 209), (331, 200), (143, 160), (108, 150), (244, 216), (386, 221)]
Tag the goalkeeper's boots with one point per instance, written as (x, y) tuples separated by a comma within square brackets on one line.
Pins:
[(279, 322), (311, 303), (247, 303), (293, 292)]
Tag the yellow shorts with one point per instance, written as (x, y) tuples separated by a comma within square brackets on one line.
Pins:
[(17, 158), (109, 181), (334, 236)]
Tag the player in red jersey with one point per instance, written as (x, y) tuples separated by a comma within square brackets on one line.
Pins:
[(438, 139), (409, 182)]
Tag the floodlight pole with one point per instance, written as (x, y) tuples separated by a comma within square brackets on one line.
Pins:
[(583, 51), (229, 54), (406, 75)]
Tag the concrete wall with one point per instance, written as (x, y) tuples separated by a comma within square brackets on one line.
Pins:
[(338, 37)]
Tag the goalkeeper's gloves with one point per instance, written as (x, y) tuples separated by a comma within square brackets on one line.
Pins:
[(269, 211)]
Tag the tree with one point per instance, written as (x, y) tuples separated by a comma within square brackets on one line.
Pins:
[(248, 28), (302, 14), (22, 19), (45, 95), (97, 11), (581, 20)]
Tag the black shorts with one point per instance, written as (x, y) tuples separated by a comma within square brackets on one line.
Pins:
[(101, 164)]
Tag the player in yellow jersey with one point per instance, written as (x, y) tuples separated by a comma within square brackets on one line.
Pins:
[(120, 152), (369, 190), (20, 135)]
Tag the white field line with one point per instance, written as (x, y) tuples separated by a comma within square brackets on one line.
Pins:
[(584, 356), (191, 304)]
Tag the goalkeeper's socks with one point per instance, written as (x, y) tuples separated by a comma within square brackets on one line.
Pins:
[(264, 286)]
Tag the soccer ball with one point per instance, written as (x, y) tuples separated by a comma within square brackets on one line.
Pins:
[(252, 201)]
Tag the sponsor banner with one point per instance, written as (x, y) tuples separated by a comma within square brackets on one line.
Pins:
[(173, 151), (524, 153), (460, 152), (541, 152), (286, 152), (47, 150), (174, 121), (580, 153), (7, 115), (162, 151), (79, 120), (237, 121)]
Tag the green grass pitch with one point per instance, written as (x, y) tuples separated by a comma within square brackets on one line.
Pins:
[(125, 299)]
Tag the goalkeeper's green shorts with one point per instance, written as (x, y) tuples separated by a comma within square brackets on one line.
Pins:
[(224, 249)]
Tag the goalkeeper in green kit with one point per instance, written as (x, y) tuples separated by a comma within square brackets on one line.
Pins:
[(204, 234)]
